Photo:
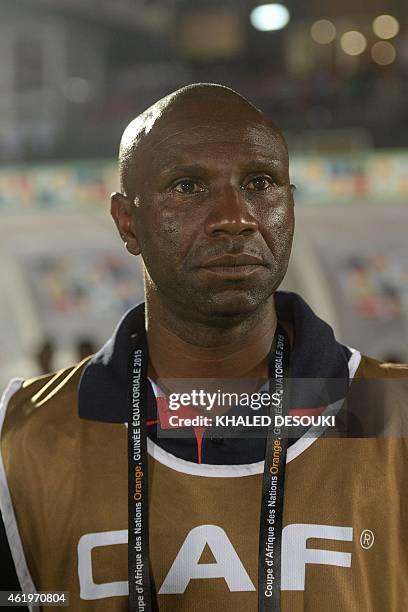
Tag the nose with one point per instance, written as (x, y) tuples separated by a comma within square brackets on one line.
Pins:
[(229, 214)]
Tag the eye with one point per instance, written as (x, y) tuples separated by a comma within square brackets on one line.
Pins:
[(259, 183), (188, 186)]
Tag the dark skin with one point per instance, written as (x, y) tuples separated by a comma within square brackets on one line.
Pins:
[(208, 203)]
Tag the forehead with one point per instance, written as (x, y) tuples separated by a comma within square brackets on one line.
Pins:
[(212, 143)]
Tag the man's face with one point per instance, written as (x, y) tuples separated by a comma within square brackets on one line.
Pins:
[(214, 214)]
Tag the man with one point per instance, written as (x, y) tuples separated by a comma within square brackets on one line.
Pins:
[(207, 202)]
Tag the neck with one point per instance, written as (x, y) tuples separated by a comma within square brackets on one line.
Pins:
[(179, 348)]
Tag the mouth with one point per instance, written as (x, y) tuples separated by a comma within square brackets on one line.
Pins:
[(234, 266)]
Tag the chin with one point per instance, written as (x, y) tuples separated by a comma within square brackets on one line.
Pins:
[(231, 305)]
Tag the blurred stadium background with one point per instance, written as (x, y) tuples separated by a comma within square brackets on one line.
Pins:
[(74, 72)]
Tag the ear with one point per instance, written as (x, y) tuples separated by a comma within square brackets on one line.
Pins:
[(293, 189), (121, 211)]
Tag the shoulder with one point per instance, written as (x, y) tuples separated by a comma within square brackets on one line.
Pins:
[(372, 368), (379, 395), (28, 405)]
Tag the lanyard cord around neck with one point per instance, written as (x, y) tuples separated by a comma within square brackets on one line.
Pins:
[(142, 596)]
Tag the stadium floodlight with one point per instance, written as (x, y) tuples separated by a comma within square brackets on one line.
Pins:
[(323, 31), (269, 17), (353, 42), (383, 53), (386, 26)]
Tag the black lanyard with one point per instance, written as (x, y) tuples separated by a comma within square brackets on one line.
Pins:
[(142, 596), (273, 484), (140, 591)]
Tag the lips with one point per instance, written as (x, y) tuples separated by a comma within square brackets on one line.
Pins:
[(235, 266), (233, 261)]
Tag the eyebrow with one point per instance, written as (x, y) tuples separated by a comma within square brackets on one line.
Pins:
[(197, 169), (181, 169)]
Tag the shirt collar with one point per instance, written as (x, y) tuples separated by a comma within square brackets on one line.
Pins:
[(103, 387)]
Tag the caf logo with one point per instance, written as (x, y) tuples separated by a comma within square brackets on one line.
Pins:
[(228, 565)]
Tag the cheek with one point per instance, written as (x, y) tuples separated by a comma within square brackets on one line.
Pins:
[(167, 234), (279, 226)]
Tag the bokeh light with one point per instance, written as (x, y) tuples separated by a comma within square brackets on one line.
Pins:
[(385, 26), (323, 31), (353, 42), (268, 17), (383, 53)]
